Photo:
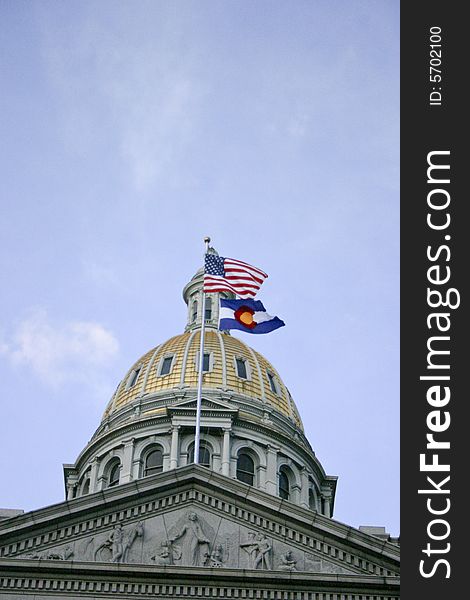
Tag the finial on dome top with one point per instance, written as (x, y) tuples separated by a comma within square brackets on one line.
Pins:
[(209, 249)]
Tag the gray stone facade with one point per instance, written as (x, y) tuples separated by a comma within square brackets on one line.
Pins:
[(190, 529)]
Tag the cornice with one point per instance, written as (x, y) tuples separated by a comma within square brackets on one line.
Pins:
[(168, 398), (119, 580)]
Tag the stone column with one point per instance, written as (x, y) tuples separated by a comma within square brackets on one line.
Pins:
[(226, 453), (174, 450), (127, 459), (327, 503), (271, 470), (295, 493), (93, 475), (305, 484), (262, 477), (72, 483), (69, 491)]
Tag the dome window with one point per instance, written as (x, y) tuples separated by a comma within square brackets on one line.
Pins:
[(204, 456), (284, 485), (194, 313), (272, 383), (86, 487), (166, 365), (114, 474), (153, 462), (245, 468), (207, 362), (208, 309), (134, 375), (242, 371)]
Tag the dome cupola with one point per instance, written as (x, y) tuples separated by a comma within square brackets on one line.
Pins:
[(192, 295)]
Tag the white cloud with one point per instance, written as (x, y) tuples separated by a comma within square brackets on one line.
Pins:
[(76, 351)]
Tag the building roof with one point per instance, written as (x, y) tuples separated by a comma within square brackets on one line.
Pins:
[(224, 349)]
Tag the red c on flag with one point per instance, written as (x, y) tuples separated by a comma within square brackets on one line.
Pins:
[(244, 315)]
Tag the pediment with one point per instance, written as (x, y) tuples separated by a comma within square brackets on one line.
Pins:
[(187, 519), (207, 405)]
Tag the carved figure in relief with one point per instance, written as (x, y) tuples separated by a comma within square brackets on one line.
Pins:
[(119, 543), (263, 556), (287, 562), (65, 555), (195, 549), (259, 550), (114, 542), (164, 556), (136, 531), (219, 556), (251, 548)]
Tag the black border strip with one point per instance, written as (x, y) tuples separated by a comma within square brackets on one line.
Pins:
[(430, 123)]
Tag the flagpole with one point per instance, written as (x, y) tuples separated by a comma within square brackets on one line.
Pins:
[(201, 365)]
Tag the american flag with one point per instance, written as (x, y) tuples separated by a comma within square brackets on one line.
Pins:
[(230, 275)]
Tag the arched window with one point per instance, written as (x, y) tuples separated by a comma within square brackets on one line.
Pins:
[(284, 485), (208, 309), (194, 315), (311, 500), (245, 468), (86, 487), (114, 474), (204, 456), (153, 462)]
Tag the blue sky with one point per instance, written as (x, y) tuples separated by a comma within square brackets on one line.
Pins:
[(133, 129)]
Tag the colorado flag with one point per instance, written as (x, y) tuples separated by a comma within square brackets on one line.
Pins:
[(246, 315)]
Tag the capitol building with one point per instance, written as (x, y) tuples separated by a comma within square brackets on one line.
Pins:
[(254, 519)]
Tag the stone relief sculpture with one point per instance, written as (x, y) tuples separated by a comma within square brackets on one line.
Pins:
[(250, 548), (259, 549), (195, 549), (65, 555), (119, 543), (287, 562), (316, 564), (164, 555), (167, 554), (219, 556), (190, 540), (263, 556)]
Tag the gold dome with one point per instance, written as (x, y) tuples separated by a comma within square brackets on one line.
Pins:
[(145, 378)]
